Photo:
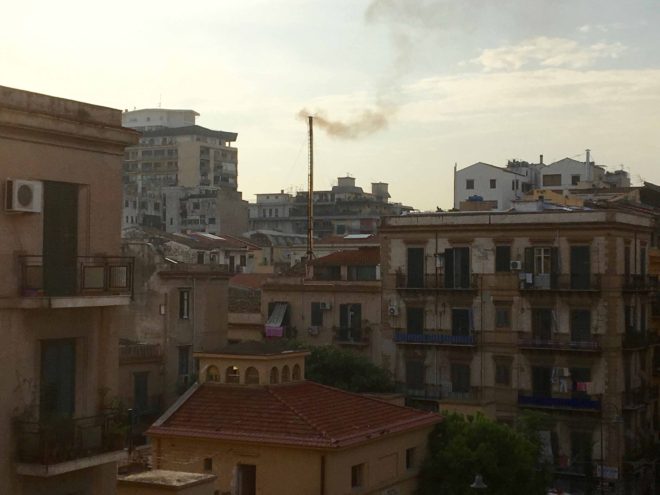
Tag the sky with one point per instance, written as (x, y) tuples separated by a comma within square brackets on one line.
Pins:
[(402, 89)]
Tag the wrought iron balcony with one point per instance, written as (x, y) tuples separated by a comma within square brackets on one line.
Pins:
[(436, 282), (586, 403), (86, 276), (60, 440), (557, 282), (434, 392), (559, 345), (434, 339)]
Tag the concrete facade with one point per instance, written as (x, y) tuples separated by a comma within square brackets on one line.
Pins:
[(62, 284), (547, 311)]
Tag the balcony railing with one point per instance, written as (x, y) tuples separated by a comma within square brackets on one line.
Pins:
[(355, 336), (130, 353), (437, 282), (433, 392), (586, 403), (434, 339), (94, 275), (67, 439), (634, 339), (640, 282), (554, 281), (567, 345)]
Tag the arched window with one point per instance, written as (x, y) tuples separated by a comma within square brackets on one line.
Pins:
[(212, 374), (232, 375), (274, 375), (252, 376), (286, 374), (295, 375)]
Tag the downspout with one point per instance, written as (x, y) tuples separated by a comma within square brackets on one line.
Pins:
[(322, 487)]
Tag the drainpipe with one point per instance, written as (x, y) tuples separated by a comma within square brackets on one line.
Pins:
[(322, 488)]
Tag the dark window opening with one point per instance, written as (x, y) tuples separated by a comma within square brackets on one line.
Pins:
[(502, 374), (461, 324), (502, 317), (415, 267), (541, 381), (415, 320), (469, 184), (460, 378), (317, 315), (457, 268), (580, 325), (542, 322), (502, 259), (184, 304), (350, 322)]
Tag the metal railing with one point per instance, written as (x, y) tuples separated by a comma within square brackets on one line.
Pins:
[(640, 282), (59, 440), (569, 345), (139, 352), (433, 392), (94, 275), (434, 339), (351, 336), (433, 281), (555, 281), (585, 403)]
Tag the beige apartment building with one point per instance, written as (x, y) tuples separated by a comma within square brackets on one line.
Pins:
[(544, 311), (62, 282), (261, 428)]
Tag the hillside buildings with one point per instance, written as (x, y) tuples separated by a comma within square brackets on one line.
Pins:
[(181, 175), (62, 285), (344, 209)]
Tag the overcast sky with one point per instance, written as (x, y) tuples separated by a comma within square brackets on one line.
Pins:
[(420, 85)]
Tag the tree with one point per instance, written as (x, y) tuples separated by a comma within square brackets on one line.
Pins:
[(344, 369), (461, 447)]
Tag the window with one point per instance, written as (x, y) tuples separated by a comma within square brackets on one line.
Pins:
[(357, 476), (296, 373), (184, 304), (274, 375), (242, 260), (184, 360), (460, 378), (366, 272), (541, 381), (493, 183), (208, 464), (415, 320), (502, 317), (200, 257), (502, 374), (286, 374), (350, 321), (58, 378), (141, 391), (251, 376), (542, 323), (580, 267), (502, 259), (316, 319), (415, 375), (581, 450), (542, 260), (457, 268), (212, 374), (232, 375), (461, 322), (469, 184), (580, 325), (552, 180), (246, 475), (575, 180), (410, 458), (415, 267)]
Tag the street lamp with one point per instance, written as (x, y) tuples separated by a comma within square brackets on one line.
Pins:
[(478, 483)]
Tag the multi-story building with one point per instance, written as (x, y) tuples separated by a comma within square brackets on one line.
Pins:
[(62, 283), (546, 311), (260, 427), (481, 187), (172, 152), (344, 209)]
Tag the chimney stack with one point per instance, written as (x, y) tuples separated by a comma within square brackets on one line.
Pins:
[(541, 159)]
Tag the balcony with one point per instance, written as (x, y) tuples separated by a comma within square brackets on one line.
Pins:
[(434, 339), (62, 445), (568, 403), (643, 283), (90, 281), (530, 282), (436, 282), (638, 339), (434, 392), (559, 345), (139, 353)]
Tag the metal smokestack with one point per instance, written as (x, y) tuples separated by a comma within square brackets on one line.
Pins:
[(310, 196), (588, 165)]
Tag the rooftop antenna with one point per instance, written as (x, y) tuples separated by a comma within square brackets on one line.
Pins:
[(310, 197)]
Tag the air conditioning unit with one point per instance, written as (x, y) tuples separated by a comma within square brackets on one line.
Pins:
[(515, 265), (23, 195), (325, 306), (393, 310)]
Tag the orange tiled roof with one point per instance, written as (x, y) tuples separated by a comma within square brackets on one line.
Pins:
[(249, 280), (362, 256), (304, 414)]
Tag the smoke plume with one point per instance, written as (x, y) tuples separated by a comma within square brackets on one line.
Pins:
[(368, 122)]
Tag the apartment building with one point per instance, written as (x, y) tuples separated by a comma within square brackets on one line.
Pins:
[(173, 151), (260, 427), (545, 311), (62, 283), (483, 187), (344, 209)]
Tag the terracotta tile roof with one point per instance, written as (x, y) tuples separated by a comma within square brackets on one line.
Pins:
[(362, 256), (249, 280), (303, 414)]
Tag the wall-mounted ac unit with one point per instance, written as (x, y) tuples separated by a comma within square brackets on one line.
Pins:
[(515, 265), (23, 195), (393, 310), (325, 306)]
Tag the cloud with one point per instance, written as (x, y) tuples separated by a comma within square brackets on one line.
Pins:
[(547, 52)]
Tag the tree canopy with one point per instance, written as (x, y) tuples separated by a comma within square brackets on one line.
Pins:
[(346, 370), (461, 447)]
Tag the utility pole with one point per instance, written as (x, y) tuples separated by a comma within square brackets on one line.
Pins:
[(310, 196)]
